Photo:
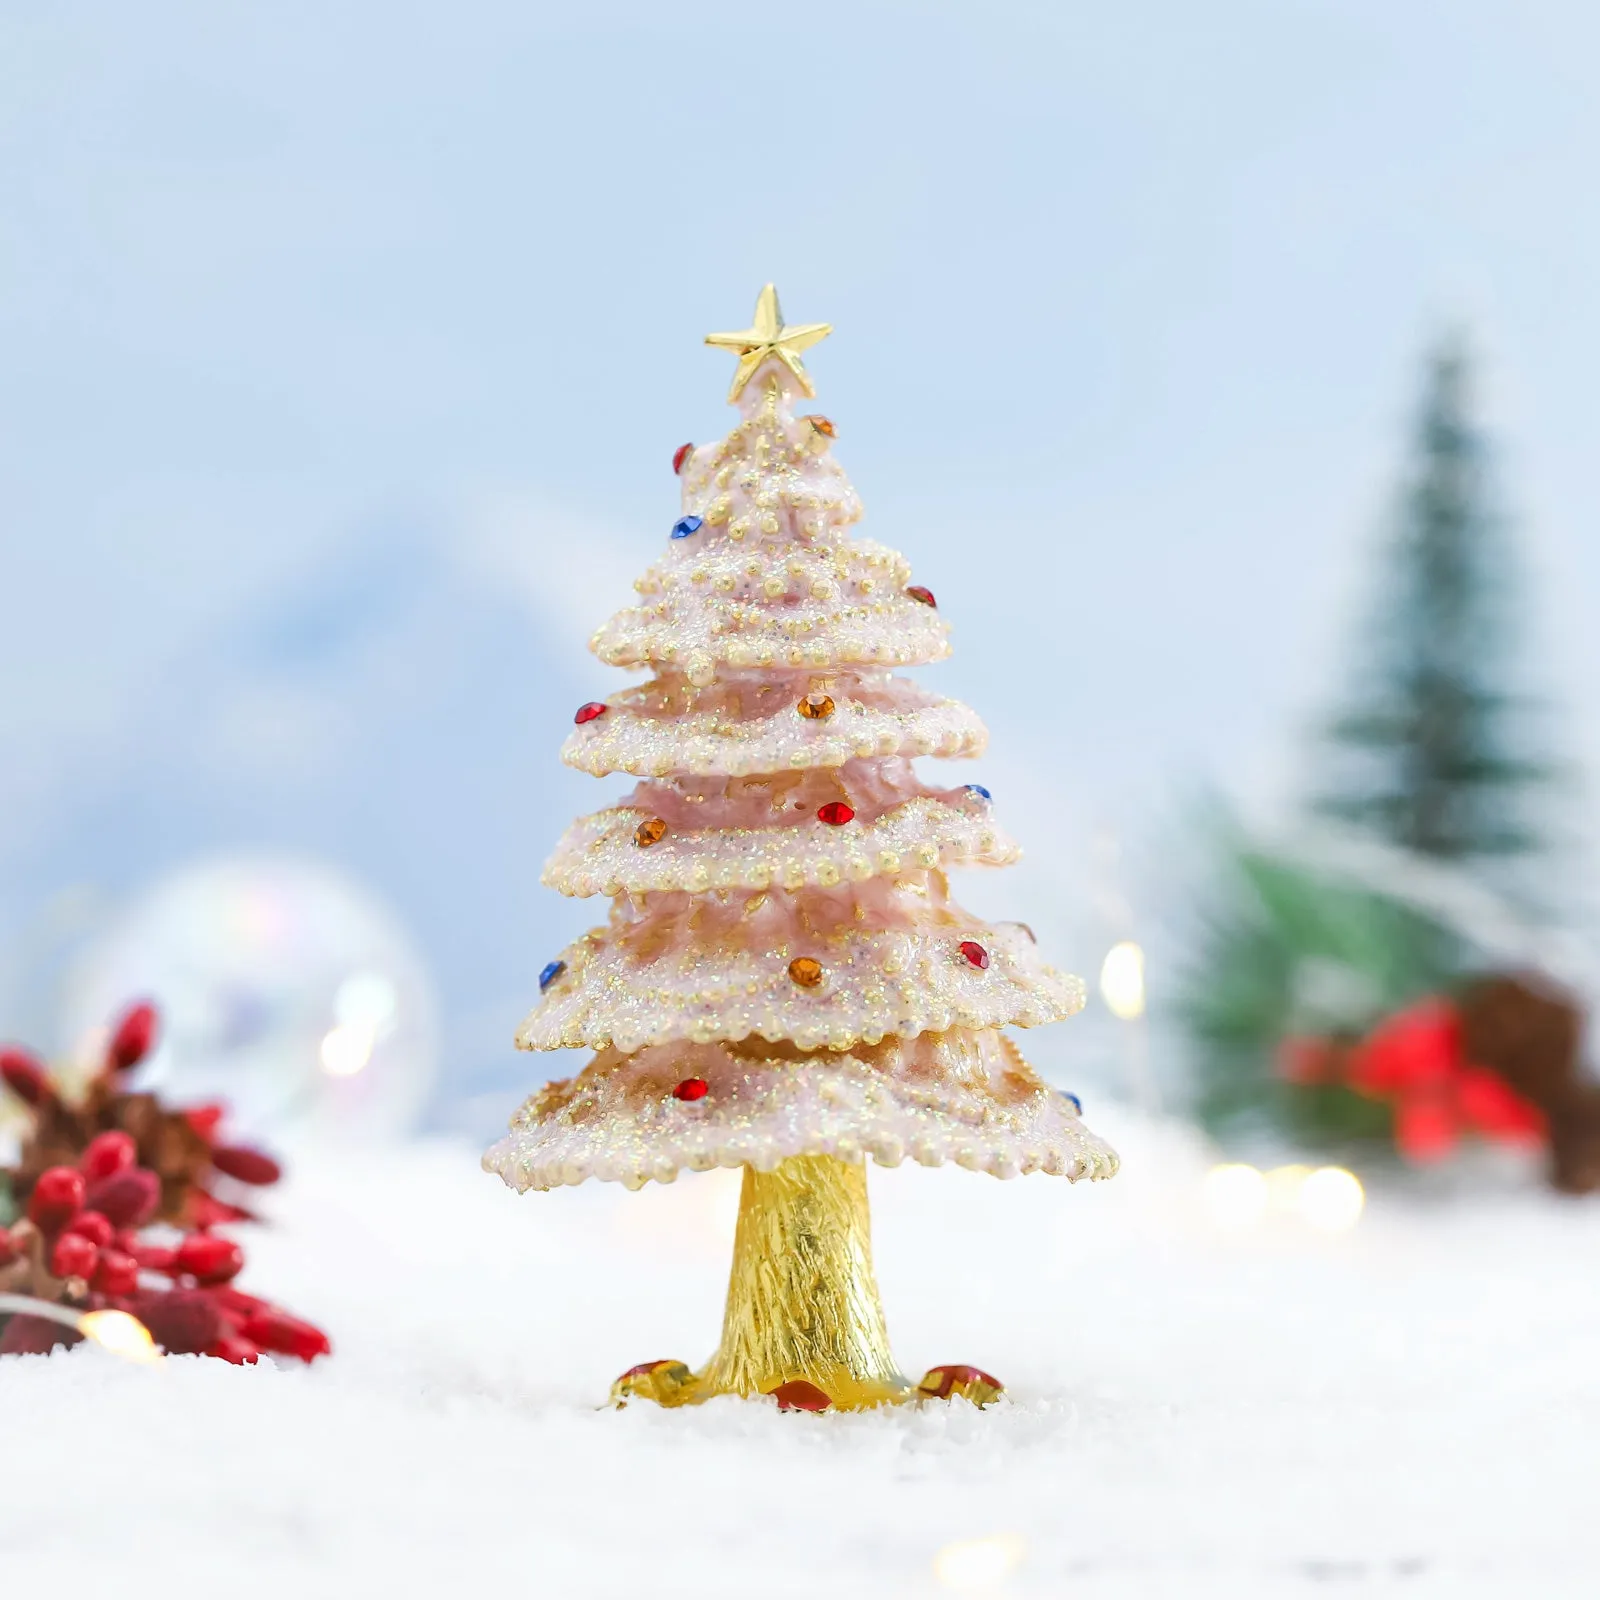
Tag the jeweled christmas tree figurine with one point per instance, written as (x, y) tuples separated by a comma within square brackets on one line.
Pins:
[(784, 984)]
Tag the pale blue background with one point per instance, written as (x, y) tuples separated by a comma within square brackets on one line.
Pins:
[(343, 348)]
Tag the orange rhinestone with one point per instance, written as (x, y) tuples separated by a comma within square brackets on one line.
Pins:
[(806, 972), (816, 706), (651, 832), (824, 426)]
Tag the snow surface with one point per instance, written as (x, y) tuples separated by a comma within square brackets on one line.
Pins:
[(1408, 1409)]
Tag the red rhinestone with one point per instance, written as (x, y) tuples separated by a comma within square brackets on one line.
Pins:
[(680, 455), (692, 1089), (798, 1395), (589, 710), (917, 592), (974, 952), (836, 813)]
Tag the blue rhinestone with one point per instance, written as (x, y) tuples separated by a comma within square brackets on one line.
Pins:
[(550, 974), (684, 526), (979, 790), (1077, 1104)]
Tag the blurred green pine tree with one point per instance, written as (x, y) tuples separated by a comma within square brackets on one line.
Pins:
[(1429, 760), (1430, 755)]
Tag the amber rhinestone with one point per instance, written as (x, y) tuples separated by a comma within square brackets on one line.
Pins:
[(915, 591), (816, 706), (668, 1383), (650, 832), (824, 426), (806, 972), (975, 953), (836, 813)]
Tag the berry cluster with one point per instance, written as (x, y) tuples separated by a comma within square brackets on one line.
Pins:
[(118, 1209)]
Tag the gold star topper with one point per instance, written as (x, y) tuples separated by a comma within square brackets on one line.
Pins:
[(770, 337)]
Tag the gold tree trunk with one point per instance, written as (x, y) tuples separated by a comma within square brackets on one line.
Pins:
[(802, 1299)]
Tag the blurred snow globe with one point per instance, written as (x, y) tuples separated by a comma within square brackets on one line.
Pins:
[(285, 989)]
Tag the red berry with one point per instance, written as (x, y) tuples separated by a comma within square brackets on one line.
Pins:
[(74, 1256), (692, 1089), (285, 1335), (975, 953), (236, 1303), (35, 1336), (24, 1075), (132, 1037), (925, 596), (92, 1226), (57, 1198), (589, 710), (798, 1395), (230, 1347), (155, 1258), (184, 1322), (209, 1258), (680, 455), (247, 1165), (835, 812), (204, 1119), (128, 1198), (116, 1274), (204, 1210), (108, 1154)]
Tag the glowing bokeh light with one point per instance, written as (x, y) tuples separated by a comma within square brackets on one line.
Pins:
[(1235, 1195), (254, 961), (116, 1331), (1331, 1199), (1284, 1185), (366, 999), (978, 1564), (1122, 980), (346, 1049), (121, 1334)]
